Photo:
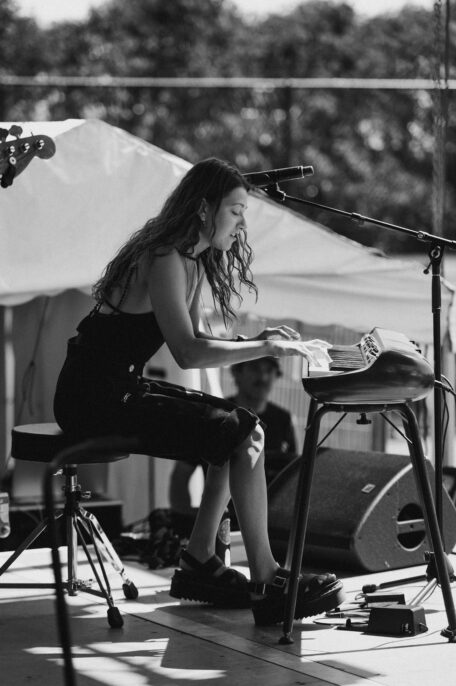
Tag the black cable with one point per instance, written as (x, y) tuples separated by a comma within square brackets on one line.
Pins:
[(447, 381), (445, 416), (443, 387), (445, 421)]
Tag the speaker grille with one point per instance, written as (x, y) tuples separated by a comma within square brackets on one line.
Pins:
[(365, 512)]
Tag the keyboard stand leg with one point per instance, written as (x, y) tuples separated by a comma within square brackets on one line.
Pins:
[(292, 538), (300, 516), (430, 516)]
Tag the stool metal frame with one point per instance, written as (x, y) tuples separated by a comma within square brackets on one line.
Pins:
[(302, 503), (99, 447), (81, 527)]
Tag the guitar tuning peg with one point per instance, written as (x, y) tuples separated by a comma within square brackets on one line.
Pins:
[(15, 131), (3, 134), (8, 176)]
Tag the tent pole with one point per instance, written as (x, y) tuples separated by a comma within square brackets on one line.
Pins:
[(7, 386)]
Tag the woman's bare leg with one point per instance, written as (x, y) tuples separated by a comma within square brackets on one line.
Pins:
[(247, 480), (244, 475), (214, 500), (249, 493)]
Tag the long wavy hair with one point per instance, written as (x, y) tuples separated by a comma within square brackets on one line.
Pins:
[(178, 226)]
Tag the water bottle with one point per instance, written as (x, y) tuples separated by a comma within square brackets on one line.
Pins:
[(5, 528), (223, 539)]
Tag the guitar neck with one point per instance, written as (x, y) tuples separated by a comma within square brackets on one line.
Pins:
[(17, 153)]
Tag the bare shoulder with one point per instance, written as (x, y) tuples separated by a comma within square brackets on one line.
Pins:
[(161, 265), (164, 278)]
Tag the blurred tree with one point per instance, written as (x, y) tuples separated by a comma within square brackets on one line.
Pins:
[(20, 52), (371, 149), (152, 38), (20, 41)]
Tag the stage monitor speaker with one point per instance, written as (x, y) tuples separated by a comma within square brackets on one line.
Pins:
[(364, 511)]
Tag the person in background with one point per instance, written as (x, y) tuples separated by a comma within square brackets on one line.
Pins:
[(149, 294), (254, 381)]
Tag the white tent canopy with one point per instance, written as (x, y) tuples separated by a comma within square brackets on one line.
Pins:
[(63, 219)]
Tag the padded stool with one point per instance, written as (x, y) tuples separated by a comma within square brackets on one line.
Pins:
[(42, 443)]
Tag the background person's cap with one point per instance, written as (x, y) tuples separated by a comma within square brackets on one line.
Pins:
[(273, 362)]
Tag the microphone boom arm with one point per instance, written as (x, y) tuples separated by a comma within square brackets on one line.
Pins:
[(275, 193)]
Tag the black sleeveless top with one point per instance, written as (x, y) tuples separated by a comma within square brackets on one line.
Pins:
[(118, 338), (104, 361)]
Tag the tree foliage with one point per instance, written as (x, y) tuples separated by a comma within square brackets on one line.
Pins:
[(372, 150)]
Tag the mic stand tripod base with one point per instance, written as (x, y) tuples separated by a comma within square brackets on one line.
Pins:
[(432, 578), (425, 593), (415, 618), (371, 594)]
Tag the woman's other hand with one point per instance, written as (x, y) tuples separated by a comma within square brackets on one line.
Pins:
[(281, 332), (315, 351)]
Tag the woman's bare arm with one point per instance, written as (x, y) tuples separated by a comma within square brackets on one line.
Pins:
[(280, 331), (167, 286), (166, 279)]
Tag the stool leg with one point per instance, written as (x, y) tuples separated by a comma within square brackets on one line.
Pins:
[(114, 617), (300, 516), (71, 491), (37, 531), (92, 525), (104, 590), (430, 516), (74, 536)]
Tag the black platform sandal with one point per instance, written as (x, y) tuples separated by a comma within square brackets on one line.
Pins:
[(206, 583), (316, 593)]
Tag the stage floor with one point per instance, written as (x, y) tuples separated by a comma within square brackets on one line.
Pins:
[(165, 642)]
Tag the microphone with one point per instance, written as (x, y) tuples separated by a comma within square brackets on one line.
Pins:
[(272, 176)]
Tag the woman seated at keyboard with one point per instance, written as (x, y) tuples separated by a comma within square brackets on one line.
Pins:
[(150, 294)]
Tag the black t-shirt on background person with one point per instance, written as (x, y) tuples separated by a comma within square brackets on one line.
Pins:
[(280, 439)]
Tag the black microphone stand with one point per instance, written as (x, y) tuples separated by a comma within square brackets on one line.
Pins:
[(436, 250)]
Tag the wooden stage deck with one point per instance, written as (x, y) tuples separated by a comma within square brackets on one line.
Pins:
[(164, 642)]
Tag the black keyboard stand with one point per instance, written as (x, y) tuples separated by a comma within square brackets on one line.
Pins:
[(302, 504)]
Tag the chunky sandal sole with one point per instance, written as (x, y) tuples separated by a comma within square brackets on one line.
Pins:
[(185, 586), (273, 610)]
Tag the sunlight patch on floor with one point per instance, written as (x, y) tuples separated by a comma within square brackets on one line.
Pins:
[(112, 663)]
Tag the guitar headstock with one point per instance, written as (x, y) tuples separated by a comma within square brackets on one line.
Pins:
[(17, 153)]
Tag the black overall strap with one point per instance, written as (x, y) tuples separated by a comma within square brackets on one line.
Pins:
[(122, 297)]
